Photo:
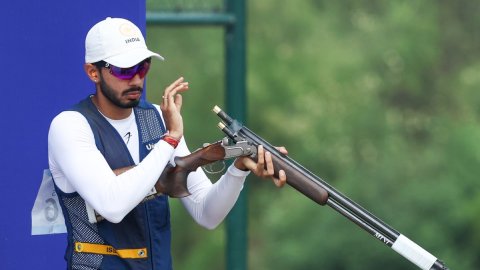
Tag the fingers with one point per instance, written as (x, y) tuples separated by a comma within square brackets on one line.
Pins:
[(248, 164), (171, 106), (281, 180), (282, 150), (178, 101), (176, 86), (269, 162), (264, 166), (259, 170), (270, 170), (170, 97)]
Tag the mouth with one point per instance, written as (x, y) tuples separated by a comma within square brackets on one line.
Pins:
[(133, 93)]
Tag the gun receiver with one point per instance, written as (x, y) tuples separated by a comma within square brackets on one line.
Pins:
[(321, 192), (173, 180)]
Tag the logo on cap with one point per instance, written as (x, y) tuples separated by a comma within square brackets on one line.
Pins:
[(127, 29)]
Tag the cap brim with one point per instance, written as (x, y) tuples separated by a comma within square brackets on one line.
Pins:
[(131, 58)]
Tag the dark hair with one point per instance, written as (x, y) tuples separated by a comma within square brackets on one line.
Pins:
[(100, 64)]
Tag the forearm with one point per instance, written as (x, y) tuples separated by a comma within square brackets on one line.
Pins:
[(114, 196), (77, 165), (210, 203)]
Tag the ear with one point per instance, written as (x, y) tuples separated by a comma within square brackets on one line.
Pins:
[(92, 72)]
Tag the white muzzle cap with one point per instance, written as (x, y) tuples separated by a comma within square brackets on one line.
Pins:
[(118, 42)]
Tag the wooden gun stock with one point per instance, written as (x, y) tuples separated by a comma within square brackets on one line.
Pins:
[(173, 180)]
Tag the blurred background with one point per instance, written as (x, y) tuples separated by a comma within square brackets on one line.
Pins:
[(379, 98)]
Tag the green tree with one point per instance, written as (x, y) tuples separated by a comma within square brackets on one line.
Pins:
[(379, 98)]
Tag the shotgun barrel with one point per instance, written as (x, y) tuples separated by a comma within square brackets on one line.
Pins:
[(321, 192)]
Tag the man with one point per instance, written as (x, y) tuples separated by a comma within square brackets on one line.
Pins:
[(107, 152)]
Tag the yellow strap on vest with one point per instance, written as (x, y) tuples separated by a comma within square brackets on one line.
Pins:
[(134, 253)]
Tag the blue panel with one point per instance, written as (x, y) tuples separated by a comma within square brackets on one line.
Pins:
[(42, 53)]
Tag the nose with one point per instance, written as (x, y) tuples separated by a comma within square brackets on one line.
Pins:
[(136, 80)]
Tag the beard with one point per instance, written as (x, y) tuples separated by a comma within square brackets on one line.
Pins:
[(110, 94)]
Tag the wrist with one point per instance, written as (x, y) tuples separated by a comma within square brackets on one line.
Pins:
[(175, 135), (171, 140)]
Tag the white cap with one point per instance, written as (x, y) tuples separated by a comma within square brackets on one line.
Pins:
[(118, 42)]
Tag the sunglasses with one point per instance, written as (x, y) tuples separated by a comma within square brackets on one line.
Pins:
[(127, 73)]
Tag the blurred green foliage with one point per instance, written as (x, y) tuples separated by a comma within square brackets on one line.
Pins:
[(379, 98)]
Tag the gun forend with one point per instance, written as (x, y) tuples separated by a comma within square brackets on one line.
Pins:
[(297, 176)]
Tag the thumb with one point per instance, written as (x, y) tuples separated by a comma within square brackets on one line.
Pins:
[(178, 101)]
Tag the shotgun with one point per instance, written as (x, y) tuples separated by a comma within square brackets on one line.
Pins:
[(322, 193)]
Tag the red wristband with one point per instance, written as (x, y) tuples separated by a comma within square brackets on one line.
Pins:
[(172, 141)]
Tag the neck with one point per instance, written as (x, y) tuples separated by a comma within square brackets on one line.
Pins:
[(110, 110)]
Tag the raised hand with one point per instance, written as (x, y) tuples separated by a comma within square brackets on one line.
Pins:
[(171, 106)]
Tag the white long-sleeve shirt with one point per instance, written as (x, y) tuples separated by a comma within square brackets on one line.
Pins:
[(78, 166)]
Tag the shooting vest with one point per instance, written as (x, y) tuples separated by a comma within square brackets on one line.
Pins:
[(141, 241)]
